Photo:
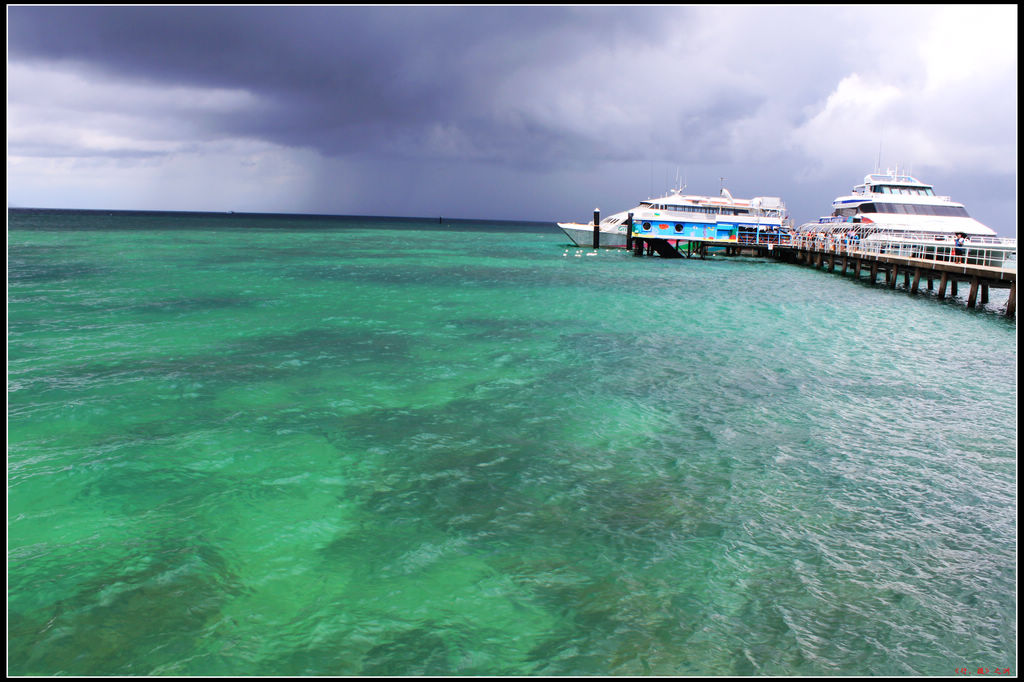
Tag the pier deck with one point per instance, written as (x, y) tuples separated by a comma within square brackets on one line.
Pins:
[(976, 271)]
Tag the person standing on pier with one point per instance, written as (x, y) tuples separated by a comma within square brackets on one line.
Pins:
[(958, 248)]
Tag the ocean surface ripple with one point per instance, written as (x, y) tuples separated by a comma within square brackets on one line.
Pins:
[(260, 445)]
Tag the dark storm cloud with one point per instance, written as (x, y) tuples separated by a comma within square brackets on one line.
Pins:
[(339, 79), (511, 112)]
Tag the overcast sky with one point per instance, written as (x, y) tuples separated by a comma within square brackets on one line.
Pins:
[(531, 113)]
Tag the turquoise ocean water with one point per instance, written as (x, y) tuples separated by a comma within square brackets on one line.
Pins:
[(283, 445)]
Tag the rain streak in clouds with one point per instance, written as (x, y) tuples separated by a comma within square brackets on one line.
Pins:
[(534, 113)]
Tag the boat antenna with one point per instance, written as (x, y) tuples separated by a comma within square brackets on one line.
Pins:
[(878, 164), (680, 182)]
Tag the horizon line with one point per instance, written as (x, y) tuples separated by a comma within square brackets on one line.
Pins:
[(276, 213)]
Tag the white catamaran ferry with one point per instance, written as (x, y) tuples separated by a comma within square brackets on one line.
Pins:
[(896, 213), (684, 217)]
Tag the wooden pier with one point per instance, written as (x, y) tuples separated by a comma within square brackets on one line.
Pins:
[(852, 259)]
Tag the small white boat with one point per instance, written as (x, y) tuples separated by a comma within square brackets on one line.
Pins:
[(684, 217)]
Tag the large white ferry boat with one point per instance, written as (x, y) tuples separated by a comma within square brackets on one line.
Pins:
[(685, 217), (893, 210)]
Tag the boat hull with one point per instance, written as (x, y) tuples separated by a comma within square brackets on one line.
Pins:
[(583, 235)]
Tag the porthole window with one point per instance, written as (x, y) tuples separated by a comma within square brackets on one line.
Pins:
[(679, 228), (647, 226)]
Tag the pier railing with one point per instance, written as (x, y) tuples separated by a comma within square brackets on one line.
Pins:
[(996, 252), (976, 252), (759, 238)]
